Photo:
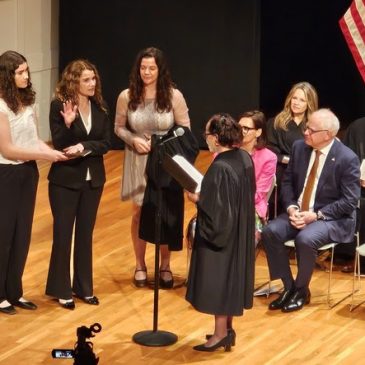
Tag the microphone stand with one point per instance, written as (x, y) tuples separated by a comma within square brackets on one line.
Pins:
[(156, 337)]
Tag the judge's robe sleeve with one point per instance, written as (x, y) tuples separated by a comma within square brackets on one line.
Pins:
[(218, 205)]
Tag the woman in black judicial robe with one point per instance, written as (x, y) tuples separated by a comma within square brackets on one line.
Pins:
[(221, 276)]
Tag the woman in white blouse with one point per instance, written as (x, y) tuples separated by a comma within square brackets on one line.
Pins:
[(19, 147)]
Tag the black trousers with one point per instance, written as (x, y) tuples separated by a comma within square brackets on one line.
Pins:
[(18, 188), (72, 209)]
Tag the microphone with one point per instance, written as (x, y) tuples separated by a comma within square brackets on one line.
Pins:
[(178, 132)]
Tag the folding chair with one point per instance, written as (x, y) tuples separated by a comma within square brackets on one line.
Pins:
[(360, 251)]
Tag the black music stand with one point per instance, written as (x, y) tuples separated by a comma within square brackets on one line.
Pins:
[(156, 337)]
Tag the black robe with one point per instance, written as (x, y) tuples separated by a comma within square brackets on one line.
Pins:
[(221, 276), (172, 194), (280, 141)]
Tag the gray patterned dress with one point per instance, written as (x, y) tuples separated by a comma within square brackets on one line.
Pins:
[(144, 121)]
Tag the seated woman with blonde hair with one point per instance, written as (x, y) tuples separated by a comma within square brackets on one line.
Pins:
[(288, 126)]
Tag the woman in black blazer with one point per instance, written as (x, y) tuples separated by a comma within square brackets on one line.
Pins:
[(80, 127)]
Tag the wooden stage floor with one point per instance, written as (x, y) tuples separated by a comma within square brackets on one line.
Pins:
[(314, 335)]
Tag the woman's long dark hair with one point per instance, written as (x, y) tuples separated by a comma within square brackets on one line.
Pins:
[(14, 97), (164, 84), (68, 87), (228, 131)]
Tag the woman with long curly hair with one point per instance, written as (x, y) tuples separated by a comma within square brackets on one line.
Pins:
[(289, 125), (80, 127), (19, 147), (151, 105)]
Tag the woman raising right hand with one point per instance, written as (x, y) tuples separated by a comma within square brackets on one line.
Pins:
[(79, 123)]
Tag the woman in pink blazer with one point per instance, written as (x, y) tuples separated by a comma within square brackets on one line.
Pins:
[(253, 125)]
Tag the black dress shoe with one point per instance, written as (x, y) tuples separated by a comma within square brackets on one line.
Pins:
[(279, 302), (25, 305), (166, 284), (140, 283), (8, 310), (68, 305), (231, 332), (93, 300), (225, 342), (297, 301)]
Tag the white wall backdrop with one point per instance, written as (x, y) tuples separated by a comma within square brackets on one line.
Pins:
[(30, 27)]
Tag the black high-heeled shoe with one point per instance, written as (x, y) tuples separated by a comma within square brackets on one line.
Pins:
[(166, 284), (140, 283), (89, 300), (67, 305), (225, 342), (231, 332), (8, 310)]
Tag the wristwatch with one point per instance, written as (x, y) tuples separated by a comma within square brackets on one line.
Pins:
[(320, 216)]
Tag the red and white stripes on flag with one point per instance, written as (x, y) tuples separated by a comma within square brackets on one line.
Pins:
[(353, 28)]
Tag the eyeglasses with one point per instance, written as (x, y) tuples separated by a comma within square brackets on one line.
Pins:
[(247, 129), (312, 131), (206, 134)]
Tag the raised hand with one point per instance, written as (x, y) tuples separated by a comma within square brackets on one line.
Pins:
[(69, 113)]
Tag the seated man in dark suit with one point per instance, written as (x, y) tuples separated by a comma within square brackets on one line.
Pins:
[(320, 191)]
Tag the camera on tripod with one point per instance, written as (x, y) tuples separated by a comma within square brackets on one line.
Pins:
[(83, 351)]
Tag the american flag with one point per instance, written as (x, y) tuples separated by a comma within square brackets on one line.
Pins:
[(353, 28)]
